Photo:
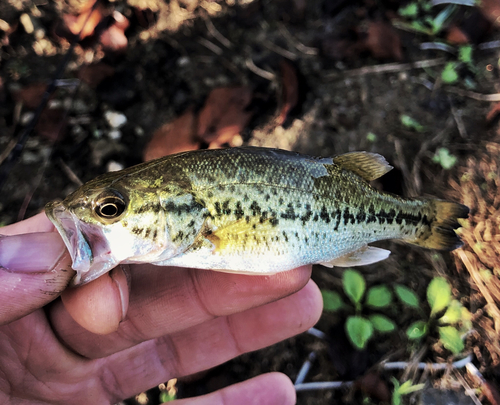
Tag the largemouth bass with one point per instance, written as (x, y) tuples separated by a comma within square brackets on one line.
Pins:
[(245, 210)]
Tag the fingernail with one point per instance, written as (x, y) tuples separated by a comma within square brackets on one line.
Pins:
[(31, 252), (121, 277)]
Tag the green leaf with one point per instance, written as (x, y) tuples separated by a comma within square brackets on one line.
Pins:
[(411, 123), (416, 330), (453, 314), (371, 137), (378, 297), (382, 323), (449, 74), (359, 330), (450, 337), (407, 387), (438, 294), (410, 10), (441, 19), (354, 285), (407, 296), (465, 54), (166, 397), (444, 158), (332, 301)]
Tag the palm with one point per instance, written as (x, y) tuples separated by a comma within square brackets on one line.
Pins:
[(178, 322)]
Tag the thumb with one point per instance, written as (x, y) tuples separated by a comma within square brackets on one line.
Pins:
[(34, 269)]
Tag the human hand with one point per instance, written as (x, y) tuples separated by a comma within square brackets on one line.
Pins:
[(135, 327)]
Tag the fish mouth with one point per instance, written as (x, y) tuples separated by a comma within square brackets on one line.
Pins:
[(85, 242)]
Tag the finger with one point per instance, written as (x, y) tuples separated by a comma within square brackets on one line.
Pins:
[(211, 343), (165, 300), (34, 269), (37, 223), (271, 388), (100, 305)]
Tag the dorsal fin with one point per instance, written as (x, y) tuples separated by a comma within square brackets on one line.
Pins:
[(369, 166)]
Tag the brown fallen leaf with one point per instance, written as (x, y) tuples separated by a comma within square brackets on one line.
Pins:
[(383, 41), (30, 95), (224, 114), (95, 73), (87, 19), (491, 10), (51, 124), (173, 137), (289, 90), (457, 36), (374, 386), (493, 113), (113, 38)]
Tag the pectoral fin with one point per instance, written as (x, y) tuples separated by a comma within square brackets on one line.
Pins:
[(361, 257)]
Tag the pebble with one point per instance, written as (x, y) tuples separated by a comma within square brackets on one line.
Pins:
[(113, 166), (115, 134), (115, 119)]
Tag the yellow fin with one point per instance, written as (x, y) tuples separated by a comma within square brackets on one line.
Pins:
[(369, 166), (361, 257)]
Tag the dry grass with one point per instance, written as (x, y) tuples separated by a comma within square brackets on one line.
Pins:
[(478, 187)]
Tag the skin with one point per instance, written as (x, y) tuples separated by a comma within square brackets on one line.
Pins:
[(136, 326)]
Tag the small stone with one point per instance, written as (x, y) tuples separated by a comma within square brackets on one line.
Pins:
[(26, 118), (115, 119), (27, 23), (113, 166), (115, 134)]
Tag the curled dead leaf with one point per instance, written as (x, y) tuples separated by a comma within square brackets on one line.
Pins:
[(224, 114), (173, 137), (383, 41), (491, 10), (86, 21), (289, 90), (113, 38)]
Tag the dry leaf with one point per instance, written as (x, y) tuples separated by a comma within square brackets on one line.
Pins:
[(493, 113), (113, 38), (95, 73), (456, 36), (224, 114), (289, 90), (31, 95), (491, 10), (374, 386), (383, 41), (76, 23), (173, 137), (51, 123)]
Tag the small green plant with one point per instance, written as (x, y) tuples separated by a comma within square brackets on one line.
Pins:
[(411, 123), (444, 158), (440, 299), (419, 16), (403, 389), (359, 327)]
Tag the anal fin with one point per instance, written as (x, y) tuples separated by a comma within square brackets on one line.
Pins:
[(361, 257)]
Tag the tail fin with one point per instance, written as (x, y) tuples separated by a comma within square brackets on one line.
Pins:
[(443, 220)]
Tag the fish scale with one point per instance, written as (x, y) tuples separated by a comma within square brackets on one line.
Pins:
[(245, 210)]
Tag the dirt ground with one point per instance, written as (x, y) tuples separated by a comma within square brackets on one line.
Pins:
[(319, 77)]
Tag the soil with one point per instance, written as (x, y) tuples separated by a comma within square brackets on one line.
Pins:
[(176, 53)]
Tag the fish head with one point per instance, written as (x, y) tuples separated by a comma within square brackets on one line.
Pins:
[(103, 226)]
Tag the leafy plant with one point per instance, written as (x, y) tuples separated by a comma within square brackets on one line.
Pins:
[(419, 16), (411, 123), (444, 158), (360, 328), (403, 389), (439, 298)]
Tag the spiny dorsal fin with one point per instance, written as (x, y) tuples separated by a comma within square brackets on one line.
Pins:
[(369, 166)]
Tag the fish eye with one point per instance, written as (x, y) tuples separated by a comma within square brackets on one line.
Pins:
[(110, 206)]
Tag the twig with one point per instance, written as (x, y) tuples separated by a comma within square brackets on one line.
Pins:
[(258, 71), (307, 50), (460, 123), (386, 68), (279, 50), (489, 45), (317, 333), (439, 46), (70, 173), (214, 32), (304, 370), (402, 365), (325, 385), (410, 188), (468, 390), (210, 45), (474, 95)]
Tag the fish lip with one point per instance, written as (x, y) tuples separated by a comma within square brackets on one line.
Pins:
[(80, 240)]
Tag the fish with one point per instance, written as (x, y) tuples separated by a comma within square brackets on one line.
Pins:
[(248, 210)]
